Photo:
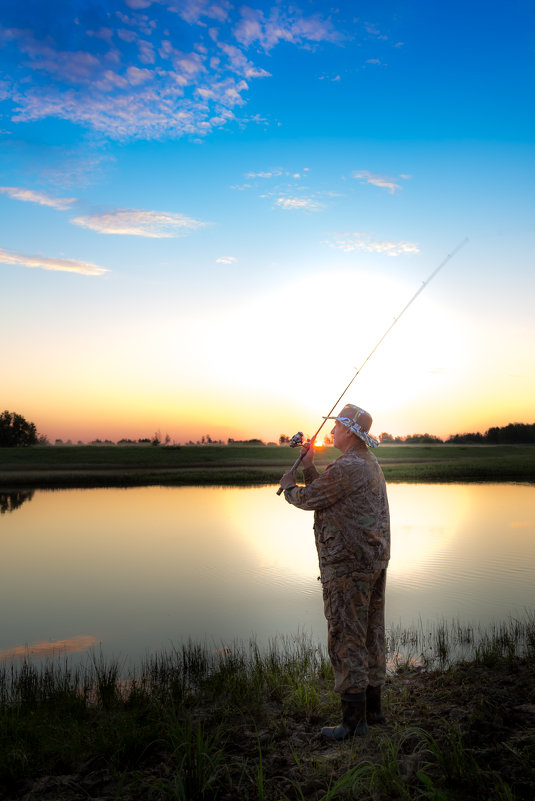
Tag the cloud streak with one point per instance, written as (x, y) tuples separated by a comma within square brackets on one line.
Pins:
[(135, 222), (43, 199), (54, 264), (357, 241), (298, 203), (382, 181)]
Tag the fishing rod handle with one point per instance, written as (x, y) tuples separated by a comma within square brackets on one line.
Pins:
[(294, 467)]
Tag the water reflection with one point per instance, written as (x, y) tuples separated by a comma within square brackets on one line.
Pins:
[(74, 645), (142, 569), (9, 501)]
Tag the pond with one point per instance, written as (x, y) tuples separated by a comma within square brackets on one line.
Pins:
[(140, 570)]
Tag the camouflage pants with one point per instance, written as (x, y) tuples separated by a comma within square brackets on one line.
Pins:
[(355, 611)]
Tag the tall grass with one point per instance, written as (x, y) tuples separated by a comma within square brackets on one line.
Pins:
[(448, 642), (194, 724)]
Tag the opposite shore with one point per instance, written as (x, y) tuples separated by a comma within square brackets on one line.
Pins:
[(77, 466)]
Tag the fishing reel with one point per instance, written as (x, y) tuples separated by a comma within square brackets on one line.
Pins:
[(297, 440)]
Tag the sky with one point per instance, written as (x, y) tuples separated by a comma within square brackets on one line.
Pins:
[(211, 212)]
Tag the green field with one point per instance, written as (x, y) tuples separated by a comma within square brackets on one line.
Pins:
[(134, 465)]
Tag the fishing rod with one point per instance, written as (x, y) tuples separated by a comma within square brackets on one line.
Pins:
[(297, 439)]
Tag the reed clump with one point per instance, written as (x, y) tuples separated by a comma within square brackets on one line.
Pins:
[(242, 722)]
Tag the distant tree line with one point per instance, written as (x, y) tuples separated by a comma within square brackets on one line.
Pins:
[(512, 434), (410, 439), (16, 431), (256, 442)]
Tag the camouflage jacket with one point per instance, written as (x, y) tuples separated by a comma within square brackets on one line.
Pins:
[(351, 517)]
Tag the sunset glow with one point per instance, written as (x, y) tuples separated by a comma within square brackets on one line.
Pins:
[(212, 213)]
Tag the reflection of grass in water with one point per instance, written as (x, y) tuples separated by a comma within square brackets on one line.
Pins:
[(443, 644), (242, 723)]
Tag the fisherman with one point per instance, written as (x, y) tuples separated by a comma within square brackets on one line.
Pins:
[(352, 532)]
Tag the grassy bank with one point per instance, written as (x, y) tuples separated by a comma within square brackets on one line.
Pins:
[(241, 724), (96, 466)]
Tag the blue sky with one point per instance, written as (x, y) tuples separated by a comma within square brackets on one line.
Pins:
[(212, 211)]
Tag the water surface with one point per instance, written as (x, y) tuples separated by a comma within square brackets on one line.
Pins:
[(142, 569)]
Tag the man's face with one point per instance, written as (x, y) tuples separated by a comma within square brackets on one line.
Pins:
[(342, 436)]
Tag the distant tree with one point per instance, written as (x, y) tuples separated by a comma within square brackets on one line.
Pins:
[(284, 439), (385, 438), (156, 439), (16, 431)]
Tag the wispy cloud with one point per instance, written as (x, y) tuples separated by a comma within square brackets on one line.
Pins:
[(30, 196), (165, 68), (358, 241), (301, 203), (226, 260), (283, 25), (135, 222), (47, 263), (382, 181), (77, 167), (265, 173), (194, 10)]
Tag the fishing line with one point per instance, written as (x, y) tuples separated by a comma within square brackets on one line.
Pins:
[(297, 438)]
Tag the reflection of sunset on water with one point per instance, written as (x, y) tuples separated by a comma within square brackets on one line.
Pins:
[(147, 568), (422, 525), (74, 645), (279, 537)]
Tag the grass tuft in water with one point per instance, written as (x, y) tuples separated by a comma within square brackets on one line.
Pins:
[(446, 643)]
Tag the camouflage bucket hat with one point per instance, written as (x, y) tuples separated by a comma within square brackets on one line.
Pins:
[(359, 423)]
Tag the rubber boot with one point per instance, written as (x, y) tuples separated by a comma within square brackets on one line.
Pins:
[(353, 718), (374, 714)]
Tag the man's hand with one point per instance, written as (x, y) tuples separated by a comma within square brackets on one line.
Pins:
[(307, 454), (288, 480)]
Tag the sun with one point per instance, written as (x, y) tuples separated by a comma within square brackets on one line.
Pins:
[(283, 376)]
